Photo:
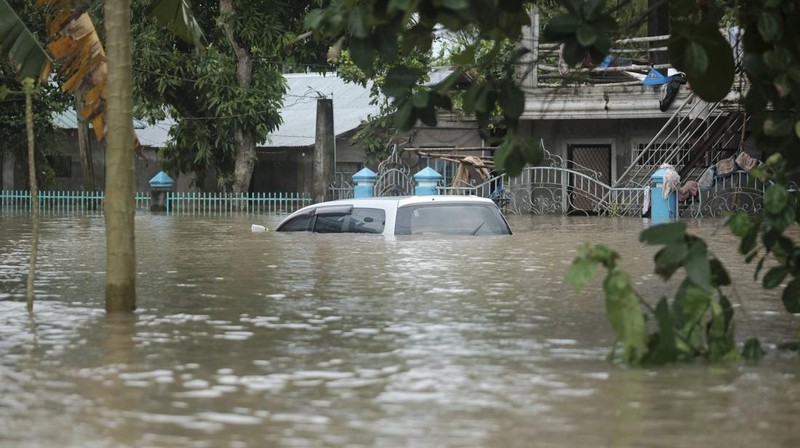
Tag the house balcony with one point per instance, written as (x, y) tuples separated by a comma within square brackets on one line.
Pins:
[(612, 89)]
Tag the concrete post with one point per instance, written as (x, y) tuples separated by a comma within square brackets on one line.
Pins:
[(365, 183), (661, 210), (427, 181), (160, 185), (323, 151)]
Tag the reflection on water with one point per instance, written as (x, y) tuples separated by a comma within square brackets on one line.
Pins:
[(245, 339)]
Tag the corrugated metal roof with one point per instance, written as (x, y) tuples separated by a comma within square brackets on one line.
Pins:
[(154, 135), (351, 105)]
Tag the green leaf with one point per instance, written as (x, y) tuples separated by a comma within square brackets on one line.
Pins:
[(668, 233), (775, 199), (512, 100), (508, 157), (470, 95), (177, 16), (749, 241), (769, 26), (721, 342), (465, 57), (791, 296), (797, 128), (625, 315), (666, 351), (421, 99), (719, 275), (696, 59), (486, 99), (759, 266), (363, 53), (405, 118), (427, 115), (586, 35), (710, 70), (697, 267), (739, 224), (357, 23), (20, 47), (670, 258), (694, 304), (774, 277), (399, 81), (573, 52), (530, 150), (561, 26), (581, 272)]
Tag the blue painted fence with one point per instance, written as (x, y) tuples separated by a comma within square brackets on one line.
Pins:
[(177, 202)]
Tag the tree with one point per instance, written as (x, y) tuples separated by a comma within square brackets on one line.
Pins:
[(585, 27), (226, 99), (120, 193)]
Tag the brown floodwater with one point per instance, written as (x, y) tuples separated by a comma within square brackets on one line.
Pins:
[(305, 340)]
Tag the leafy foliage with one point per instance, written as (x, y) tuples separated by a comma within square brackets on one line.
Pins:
[(21, 47), (699, 321)]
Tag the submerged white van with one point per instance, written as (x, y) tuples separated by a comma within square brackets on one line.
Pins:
[(401, 215)]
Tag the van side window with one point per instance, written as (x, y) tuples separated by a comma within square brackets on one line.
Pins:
[(338, 219), (297, 224), (367, 220), (330, 222), (353, 220)]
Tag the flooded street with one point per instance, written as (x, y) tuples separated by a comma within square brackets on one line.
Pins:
[(307, 340)]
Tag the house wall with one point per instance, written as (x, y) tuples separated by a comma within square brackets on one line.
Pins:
[(291, 169), (621, 135), (283, 170), (69, 173), (449, 133)]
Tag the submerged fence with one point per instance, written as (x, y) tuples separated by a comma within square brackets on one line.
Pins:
[(176, 202)]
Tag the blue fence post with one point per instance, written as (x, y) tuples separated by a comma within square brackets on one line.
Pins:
[(427, 181), (160, 184), (365, 183), (662, 209)]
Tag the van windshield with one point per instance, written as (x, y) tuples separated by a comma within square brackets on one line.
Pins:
[(450, 219)]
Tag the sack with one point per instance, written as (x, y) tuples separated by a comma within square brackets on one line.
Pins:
[(745, 162), (706, 181), (726, 166)]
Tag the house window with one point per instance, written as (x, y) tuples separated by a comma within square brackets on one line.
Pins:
[(660, 153), (62, 165)]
